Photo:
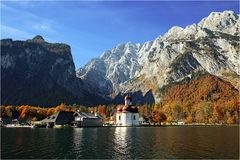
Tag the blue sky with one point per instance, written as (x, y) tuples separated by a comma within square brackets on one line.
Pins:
[(91, 27)]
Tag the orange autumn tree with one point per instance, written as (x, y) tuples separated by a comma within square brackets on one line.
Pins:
[(158, 117), (102, 111), (23, 111)]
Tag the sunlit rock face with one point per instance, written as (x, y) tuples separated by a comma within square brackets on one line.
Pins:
[(35, 72), (112, 68), (210, 46)]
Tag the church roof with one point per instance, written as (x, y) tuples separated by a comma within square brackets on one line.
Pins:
[(132, 109)]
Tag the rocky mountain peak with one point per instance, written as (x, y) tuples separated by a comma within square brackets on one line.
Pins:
[(38, 39), (226, 22), (173, 30)]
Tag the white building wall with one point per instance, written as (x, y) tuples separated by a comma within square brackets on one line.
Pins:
[(123, 119), (136, 121), (118, 121), (127, 119)]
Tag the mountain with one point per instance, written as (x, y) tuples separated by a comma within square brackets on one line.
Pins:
[(114, 67), (210, 46), (35, 72)]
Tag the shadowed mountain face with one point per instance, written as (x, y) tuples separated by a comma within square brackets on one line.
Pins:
[(35, 72)]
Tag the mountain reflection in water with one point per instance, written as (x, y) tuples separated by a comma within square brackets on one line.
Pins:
[(121, 142)]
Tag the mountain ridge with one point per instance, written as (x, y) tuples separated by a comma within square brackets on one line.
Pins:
[(210, 45)]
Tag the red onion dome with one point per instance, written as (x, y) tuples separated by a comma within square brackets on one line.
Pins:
[(119, 109), (126, 109), (134, 109)]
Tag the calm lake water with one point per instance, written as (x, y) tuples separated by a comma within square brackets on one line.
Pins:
[(121, 142)]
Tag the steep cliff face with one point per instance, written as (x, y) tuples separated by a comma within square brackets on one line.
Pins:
[(114, 67), (210, 46), (36, 72)]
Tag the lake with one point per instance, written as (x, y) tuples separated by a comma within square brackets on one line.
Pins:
[(121, 142)]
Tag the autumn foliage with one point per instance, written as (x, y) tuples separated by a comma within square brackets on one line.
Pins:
[(32, 112), (207, 99)]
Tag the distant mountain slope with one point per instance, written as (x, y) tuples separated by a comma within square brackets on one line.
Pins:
[(204, 98), (35, 72), (210, 46), (201, 88)]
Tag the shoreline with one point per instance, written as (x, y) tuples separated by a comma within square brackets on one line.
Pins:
[(141, 126)]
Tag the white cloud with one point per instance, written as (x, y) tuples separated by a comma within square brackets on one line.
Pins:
[(10, 32), (43, 27), (23, 20), (26, 3)]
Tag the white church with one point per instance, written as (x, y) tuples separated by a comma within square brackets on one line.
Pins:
[(128, 114)]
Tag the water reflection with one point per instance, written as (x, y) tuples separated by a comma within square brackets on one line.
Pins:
[(122, 142), (20, 138), (77, 140)]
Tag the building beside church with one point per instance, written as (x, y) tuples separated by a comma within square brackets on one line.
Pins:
[(83, 119), (58, 119), (75, 119), (128, 114)]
